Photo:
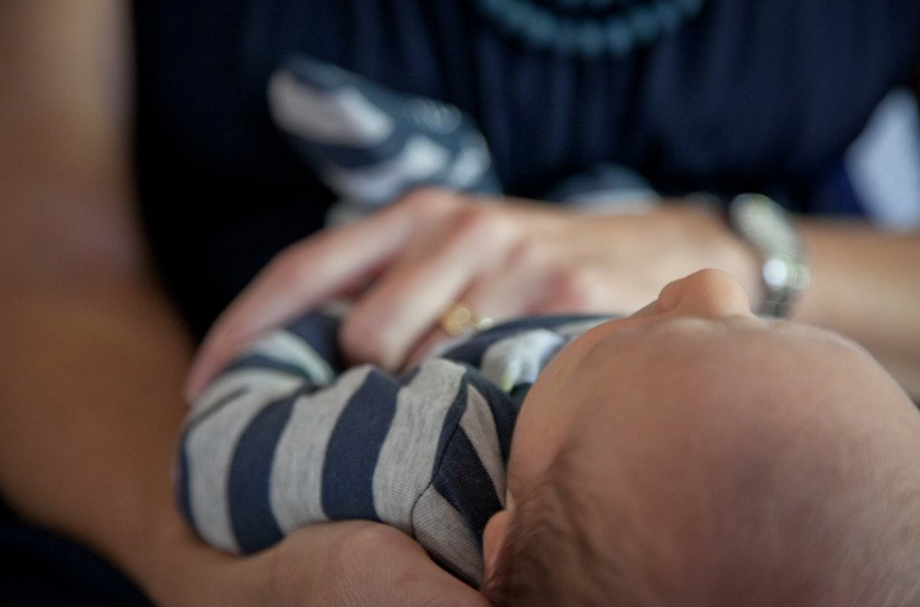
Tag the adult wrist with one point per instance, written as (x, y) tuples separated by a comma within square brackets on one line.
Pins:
[(175, 569), (769, 232)]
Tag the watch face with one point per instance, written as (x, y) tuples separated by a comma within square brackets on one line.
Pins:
[(778, 272), (769, 229)]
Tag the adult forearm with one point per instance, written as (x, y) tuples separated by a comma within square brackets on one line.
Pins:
[(89, 420), (866, 285), (92, 354), (91, 410)]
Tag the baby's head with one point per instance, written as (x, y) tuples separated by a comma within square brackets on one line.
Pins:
[(694, 454)]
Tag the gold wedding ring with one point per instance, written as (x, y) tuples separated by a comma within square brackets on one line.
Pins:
[(459, 321)]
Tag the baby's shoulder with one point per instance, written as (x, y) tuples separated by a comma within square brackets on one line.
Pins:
[(513, 354)]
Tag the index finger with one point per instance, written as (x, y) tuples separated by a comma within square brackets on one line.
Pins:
[(305, 274)]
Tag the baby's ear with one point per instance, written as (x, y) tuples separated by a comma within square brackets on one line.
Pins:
[(493, 540)]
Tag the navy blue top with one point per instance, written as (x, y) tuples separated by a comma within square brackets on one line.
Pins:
[(750, 95)]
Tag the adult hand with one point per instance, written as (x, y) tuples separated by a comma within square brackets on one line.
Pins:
[(409, 263), (347, 564)]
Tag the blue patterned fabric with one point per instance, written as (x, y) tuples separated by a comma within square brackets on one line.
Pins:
[(371, 145), (749, 95), (269, 448)]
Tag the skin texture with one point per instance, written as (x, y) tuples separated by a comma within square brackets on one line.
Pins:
[(755, 426), (415, 258), (404, 266), (93, 353), (88, 431)]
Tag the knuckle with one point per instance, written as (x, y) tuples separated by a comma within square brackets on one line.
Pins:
[(501, 227), (576, 289), (529, 254), (472, 218), (364, 340), (426, 201), (482, 226)]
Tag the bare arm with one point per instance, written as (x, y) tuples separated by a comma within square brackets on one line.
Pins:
[(93, 354), (85, 409), (866, 285)]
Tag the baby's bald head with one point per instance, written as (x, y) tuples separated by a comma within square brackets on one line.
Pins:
[(757, 466)]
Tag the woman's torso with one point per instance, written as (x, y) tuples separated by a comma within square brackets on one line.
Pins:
[(747, 95)]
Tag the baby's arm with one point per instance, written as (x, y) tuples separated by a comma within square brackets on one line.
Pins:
[(279, 440), (224, 472)]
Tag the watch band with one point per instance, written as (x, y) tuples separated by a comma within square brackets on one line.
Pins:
[(769, 230)]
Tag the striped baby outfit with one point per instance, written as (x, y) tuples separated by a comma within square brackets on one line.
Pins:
[(285, 437)]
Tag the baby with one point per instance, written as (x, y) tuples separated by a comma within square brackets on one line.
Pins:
[(690, 454)]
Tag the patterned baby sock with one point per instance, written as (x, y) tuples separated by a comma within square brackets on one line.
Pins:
[(371, 145)]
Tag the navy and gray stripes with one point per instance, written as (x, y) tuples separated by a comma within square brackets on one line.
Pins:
[(354, 449), (281, 439), (250, 510)]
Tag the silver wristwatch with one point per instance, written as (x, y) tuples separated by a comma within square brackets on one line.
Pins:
[(768, 229)]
